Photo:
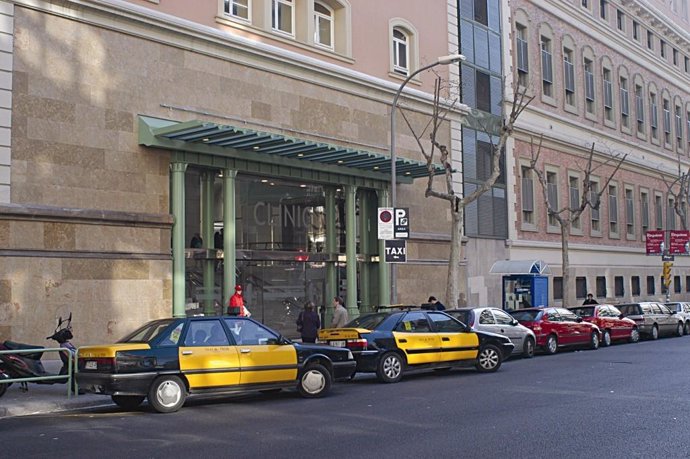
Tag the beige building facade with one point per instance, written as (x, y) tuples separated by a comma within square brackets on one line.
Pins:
[(95, 98)]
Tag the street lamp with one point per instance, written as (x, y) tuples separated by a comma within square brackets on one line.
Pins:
[(443, 60)]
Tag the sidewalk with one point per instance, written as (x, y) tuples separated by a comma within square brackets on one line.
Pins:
[(46, 398)]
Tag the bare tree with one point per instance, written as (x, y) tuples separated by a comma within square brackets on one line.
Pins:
[(570, 213), (498, 134)]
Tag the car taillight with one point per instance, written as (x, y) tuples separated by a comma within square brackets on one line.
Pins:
[(536, 329), (356, 344)]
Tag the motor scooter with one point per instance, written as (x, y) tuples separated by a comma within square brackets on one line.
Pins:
[(28, 365)]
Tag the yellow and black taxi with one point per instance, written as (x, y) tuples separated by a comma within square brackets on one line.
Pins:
[(166, 360), (391, 342)]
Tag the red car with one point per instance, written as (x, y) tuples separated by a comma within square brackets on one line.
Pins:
[(558, 327), (613, 326)]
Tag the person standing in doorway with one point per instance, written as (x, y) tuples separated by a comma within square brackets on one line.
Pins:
[(590, 299), (340, 315), (196, 242), (308, 323)]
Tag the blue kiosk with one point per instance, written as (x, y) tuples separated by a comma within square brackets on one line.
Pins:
[(525, 283)]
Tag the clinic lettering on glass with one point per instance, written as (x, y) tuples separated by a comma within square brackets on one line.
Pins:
[(285, 215)]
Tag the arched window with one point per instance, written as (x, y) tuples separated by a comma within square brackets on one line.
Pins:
[(401, 52), (323, 25)]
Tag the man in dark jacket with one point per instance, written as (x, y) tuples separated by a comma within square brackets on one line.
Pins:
[(308, 323), (590, 299), (435, 304)]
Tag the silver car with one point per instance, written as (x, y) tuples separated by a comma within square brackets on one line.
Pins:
[(496, 320), (653, 319), (682, 309)]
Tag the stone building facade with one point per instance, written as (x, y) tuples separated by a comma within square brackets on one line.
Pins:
[(91, 91)]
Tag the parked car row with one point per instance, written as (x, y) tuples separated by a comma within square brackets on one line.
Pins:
[(166, 360)]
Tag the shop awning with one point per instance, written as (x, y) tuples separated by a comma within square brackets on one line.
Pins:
[(536, 267), (212, 138)]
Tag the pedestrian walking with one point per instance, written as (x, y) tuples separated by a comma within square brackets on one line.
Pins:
[(308, 323)]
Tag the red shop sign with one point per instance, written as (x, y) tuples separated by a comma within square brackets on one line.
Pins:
[(679, 241), (655, 238)]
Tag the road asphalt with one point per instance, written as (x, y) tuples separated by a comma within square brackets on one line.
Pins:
[(46, 398)]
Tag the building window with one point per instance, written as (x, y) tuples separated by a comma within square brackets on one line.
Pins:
[(620, 20), (580, 287), (527, 196), (675, 56), (644, 210), (594, 190), (608, 94), (639, 105), (679, 127), (569, 76), (601, 287), (574, 189), (237, 8), (676, 284), (625, 103), (522, 55), (658, 212), (667, 121), (613, 211), (687, 131), (650, 285), (635, 285), (670, 214), (557, 288), (687, 64), (619, 291), (585, 3), (662, 47), (283, 16), (481, 12), (552, 195), (546, 67), (589, 85), (323, 25), (629, 213), (636, 30), (653, 115), (603, 9), (400, 52), (650, 40), (687, 283)]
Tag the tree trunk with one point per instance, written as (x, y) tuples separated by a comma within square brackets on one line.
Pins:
[(568, 287), (455, 283)]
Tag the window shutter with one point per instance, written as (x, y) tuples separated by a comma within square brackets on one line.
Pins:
[(569, 70), (547, 69), (589, 85), (613, 209), (608, 94), (522, 56), (527, 194)]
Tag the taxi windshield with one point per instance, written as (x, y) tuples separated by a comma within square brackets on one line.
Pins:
[(147, 332)]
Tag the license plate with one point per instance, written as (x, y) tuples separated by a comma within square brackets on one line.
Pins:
[(91, 365), (337, 343)]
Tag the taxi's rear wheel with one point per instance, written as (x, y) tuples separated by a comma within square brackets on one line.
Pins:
[(128, 402), (167, 394), (489, 358), (315, 381), (390, 368)]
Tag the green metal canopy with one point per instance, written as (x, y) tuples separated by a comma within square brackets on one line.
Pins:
[(212, 138)]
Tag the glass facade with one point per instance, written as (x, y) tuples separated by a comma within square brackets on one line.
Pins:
[(482, 89), (282, 260)]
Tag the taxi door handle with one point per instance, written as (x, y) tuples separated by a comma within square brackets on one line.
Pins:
[(245, 351), (403, 340), (445, 339), (187, 353)]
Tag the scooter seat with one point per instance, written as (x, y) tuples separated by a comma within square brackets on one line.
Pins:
[(14, 346)]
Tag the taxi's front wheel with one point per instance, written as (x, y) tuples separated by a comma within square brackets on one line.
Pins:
[(390, 368), (167, 394), (315, 381)]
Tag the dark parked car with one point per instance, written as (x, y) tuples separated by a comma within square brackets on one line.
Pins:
[(558, 327), (165, 360), (613, 326), (392, 342), (653, 319), (496, 320)]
